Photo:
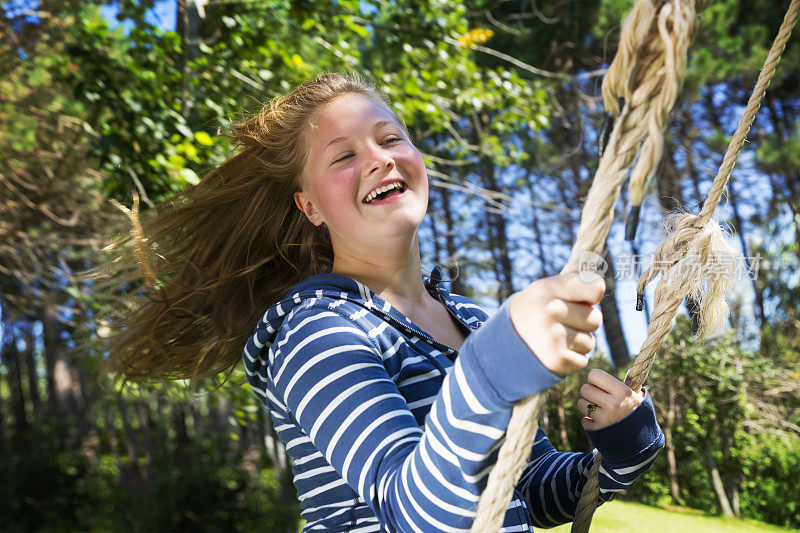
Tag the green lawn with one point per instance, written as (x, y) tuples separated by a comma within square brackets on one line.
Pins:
[(624, 516)]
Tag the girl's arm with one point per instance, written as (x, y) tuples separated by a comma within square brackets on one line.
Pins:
[(330, 376), (552, 481)]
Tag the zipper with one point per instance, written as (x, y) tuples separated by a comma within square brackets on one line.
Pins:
[(448, 351), (422, 334)]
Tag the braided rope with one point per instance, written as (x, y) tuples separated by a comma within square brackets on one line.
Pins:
[(596, 219), (694, 245), (653, 46), (652, 95), (694, 232)]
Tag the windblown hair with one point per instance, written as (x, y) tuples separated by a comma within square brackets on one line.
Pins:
[(214, 257)]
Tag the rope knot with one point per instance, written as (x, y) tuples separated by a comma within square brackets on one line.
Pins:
[(695, 261)]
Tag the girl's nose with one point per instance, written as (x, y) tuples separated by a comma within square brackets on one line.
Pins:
[(382, 161)]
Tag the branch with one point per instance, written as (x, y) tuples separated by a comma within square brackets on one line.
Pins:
[(525, 66)]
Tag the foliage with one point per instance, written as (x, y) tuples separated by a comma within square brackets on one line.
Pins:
[(90, 111), (727, 404), (53, 486), (772, 464)]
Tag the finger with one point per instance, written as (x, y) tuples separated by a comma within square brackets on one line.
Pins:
[(581, 342), (588, 424), (588, 421), (569, 363), (583, 408), (574, 287), (597, 419), (576, 315), (608, 383), (596, 395)]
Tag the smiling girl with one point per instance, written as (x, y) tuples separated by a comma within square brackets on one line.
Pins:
[(391, 394)]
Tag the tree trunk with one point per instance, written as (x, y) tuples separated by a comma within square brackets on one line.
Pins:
[(716, 481), (33, 380), (198, 428), (2, 404), (449, 241), (187, 27), (131, 474), (111, 432), (731, 488), (537, 233), (261, 440), (496, 222), (783, 126), (181, 433), (145, 430), (669, 446), (12, 356), (544, 423), (50, 335), (64, 387), (668, 182), (612, 325), (562, 426)]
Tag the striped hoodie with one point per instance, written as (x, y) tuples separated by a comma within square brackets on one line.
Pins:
[(389, 430)]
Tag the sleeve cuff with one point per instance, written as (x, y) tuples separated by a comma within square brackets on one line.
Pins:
[(503, 366), (628, 438)]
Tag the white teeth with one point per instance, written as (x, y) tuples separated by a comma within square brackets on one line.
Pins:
[(371, 196)]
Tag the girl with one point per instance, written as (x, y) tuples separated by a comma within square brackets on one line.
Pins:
[(391, 394)]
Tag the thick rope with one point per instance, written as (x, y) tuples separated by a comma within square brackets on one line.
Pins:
[(597, 216), (652, 40), (695, 250), (651, 99)]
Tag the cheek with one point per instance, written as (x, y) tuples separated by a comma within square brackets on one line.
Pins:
[(421, 172), (335, 189)]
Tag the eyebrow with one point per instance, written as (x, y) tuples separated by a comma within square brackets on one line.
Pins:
[(377, 125)]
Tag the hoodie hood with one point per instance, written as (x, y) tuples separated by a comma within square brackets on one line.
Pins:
[(337, 287)]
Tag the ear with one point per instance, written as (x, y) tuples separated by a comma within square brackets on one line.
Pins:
[(304, 204)]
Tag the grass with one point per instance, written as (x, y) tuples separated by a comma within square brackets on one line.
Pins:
[(624, 516)]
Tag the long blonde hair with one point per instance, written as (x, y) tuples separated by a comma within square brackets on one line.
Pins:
[(220, 253)]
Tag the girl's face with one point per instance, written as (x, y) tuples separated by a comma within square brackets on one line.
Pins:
[(356, 147)]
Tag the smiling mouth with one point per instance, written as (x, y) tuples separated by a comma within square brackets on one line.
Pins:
[(382, 193)]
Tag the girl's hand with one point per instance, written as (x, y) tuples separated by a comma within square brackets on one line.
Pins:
[(555, 318), (611, 398)]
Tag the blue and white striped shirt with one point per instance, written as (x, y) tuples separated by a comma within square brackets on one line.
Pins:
[(389, 431)]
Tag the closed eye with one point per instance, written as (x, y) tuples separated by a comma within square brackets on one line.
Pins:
[(385, 141)]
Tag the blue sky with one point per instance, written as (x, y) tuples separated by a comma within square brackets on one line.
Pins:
[(162, 14)]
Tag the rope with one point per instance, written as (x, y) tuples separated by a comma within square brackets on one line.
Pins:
[(693, 243), (652, 95), (653, 46), (698, 236)]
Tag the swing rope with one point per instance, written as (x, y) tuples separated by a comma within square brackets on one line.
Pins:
[(694, 260)]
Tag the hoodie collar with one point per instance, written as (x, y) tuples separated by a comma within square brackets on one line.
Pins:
[(340, 288), (343, 287)]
